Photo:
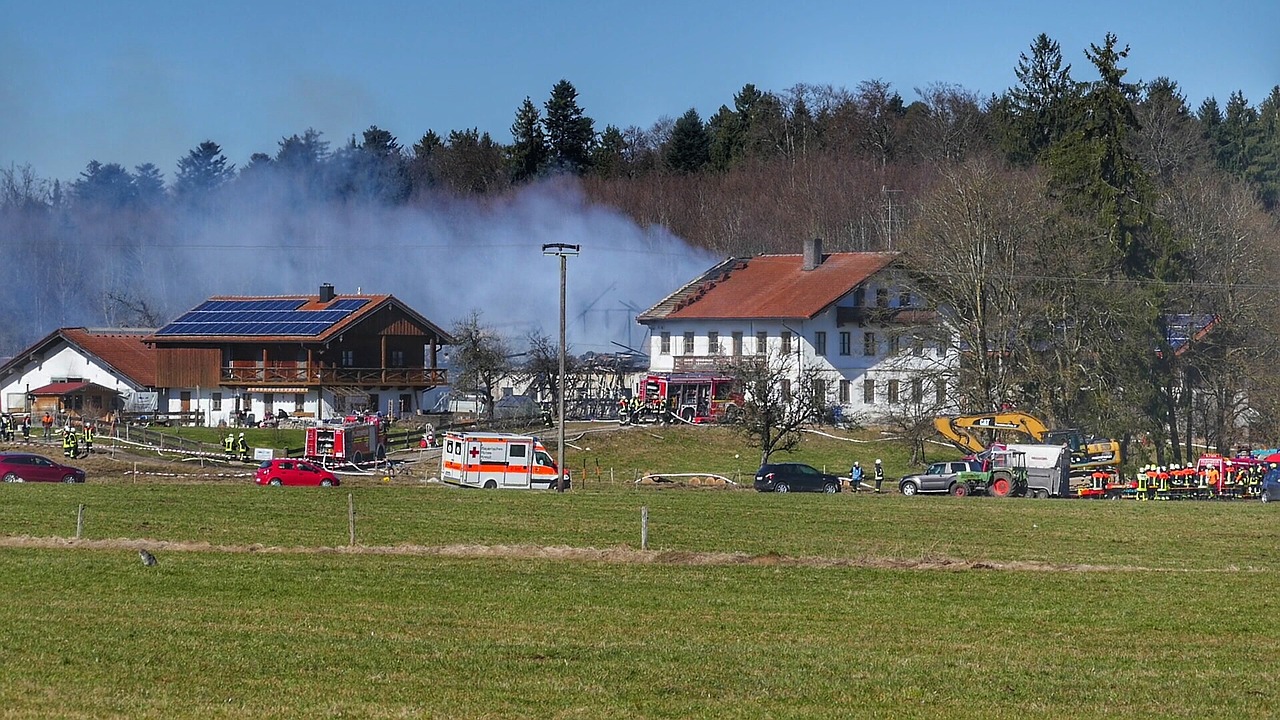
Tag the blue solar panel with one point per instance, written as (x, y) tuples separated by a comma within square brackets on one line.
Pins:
[(349, 304), (261, 317)]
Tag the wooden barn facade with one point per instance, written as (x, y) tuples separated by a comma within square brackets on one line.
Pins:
[(239, 359)]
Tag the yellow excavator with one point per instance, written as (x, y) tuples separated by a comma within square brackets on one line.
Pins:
[(973, 433)]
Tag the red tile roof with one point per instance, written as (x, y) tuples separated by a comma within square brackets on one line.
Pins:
[(123, 351), (63, 388), (770, 286)]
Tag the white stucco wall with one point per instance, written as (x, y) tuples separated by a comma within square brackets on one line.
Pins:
[(930, 362), (63, 362)]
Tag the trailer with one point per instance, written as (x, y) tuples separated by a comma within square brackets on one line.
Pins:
[(498, 460), (1047, 467)]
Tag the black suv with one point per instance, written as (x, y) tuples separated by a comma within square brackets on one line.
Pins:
[(785, 477)]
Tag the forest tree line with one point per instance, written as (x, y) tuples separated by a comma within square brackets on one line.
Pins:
[(1073, 225)]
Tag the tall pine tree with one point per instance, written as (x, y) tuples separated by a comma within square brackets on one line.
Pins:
[(570, 133)]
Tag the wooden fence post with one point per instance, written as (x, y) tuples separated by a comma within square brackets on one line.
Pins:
[(351, 520), (644, 528), (79, 521)]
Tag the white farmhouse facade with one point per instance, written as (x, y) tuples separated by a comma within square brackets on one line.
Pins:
[(79, 372), (851, 320)]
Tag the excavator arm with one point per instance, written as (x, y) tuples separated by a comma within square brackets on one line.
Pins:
[(964, 431)]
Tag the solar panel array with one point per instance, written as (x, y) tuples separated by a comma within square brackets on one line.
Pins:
[(261, 317)]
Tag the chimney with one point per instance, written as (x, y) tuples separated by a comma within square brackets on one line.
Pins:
[(812, 253), (326, 292)]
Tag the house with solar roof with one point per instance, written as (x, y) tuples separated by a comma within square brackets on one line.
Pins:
[(852, 318), (81, 373), (235, 358)]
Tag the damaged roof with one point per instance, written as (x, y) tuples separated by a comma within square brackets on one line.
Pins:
[(769, 287)]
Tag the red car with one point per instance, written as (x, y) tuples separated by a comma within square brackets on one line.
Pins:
[(284, 471), (28, 467)]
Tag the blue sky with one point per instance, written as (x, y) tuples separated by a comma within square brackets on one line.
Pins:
[(147, 80)]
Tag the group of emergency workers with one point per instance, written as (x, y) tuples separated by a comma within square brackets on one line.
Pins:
[(74, 441), (634, 410), (9, 426), (235, 448), (1161, 482)]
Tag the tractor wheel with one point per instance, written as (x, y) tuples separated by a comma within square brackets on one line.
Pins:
[(1001, 485), (959, 489)]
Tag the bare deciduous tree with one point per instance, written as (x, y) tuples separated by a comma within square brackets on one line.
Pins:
[(780, 397)]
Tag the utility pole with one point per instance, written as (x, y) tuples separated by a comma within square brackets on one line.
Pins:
[(562, 250), (888, 196)]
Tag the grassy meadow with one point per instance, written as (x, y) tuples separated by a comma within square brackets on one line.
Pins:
[(472, 604)]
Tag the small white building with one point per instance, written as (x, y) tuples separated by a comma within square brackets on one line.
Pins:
[(80, 372), (852, 318)]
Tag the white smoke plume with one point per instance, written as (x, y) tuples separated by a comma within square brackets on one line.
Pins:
[(444, 261)]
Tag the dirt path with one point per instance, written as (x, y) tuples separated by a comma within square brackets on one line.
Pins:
[(617, 555)]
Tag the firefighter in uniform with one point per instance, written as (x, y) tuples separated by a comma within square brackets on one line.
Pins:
[(1212, 478), (69, 441), (86, 436), (879, 474), (242, 448), (1143, 479), (1162, 482), (229, 446)]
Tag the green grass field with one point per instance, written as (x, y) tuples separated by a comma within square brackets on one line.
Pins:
[(472, 604)]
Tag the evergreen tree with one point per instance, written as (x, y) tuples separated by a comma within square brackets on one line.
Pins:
[(724, 131), (202, 172), (104, 187), (148, 184), (1238, 137), (528, 152), (303, 154), (381, 167), (424, 173), (688, 150), (472, 163), (1096, 175), (609, 158), (1268, 155), (1038, 109), (570, 133)]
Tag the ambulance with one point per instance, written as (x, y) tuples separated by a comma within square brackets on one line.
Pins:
[(497, 460)]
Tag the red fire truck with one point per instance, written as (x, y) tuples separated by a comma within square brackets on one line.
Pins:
[(350, 442), (691, 397)]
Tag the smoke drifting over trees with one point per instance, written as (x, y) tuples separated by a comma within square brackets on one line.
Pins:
[(97, 255)]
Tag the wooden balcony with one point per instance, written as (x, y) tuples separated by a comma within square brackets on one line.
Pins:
[(304, 377)]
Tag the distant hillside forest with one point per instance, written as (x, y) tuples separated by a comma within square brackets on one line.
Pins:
[(1078, 226)]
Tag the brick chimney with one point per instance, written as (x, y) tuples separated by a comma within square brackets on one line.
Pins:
[(326, 293), (812, 253)]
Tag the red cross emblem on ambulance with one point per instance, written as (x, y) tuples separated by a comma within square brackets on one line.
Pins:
[(475, 452)]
